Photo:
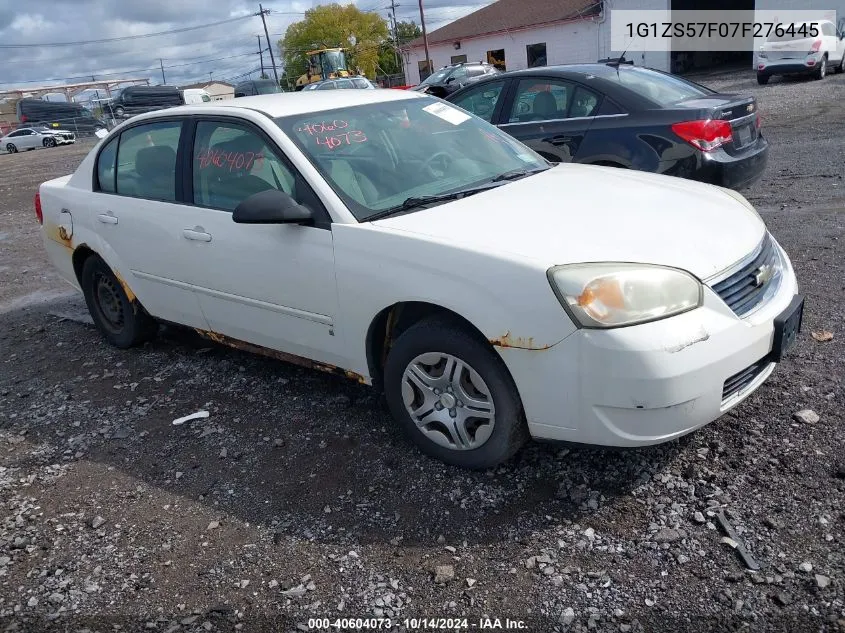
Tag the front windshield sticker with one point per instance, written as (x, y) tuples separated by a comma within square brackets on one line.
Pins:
[(321, 132), (447, 113)]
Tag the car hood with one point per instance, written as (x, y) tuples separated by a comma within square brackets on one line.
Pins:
[(579, 213), (56, 132)]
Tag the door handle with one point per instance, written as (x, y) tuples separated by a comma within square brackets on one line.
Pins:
[(196, 234), (107, 218)]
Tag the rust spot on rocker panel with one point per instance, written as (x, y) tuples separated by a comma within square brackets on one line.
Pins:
[(518, 342), (283, 356)]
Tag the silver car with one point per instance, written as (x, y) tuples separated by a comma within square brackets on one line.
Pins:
[(361, 83), (27, 138)]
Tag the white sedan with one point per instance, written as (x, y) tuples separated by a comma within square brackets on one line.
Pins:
[(28, 138), (390, 237)]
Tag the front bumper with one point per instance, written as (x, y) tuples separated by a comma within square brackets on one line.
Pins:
[(650, 383)]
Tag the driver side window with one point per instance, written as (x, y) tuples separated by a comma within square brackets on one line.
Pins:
[(482, 100)]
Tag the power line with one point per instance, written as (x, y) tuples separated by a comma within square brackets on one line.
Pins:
[(130, 37)]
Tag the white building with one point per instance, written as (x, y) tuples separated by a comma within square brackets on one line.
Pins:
[(217, 90), (517, 34)]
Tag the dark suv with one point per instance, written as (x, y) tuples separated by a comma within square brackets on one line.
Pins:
[(450, 78)]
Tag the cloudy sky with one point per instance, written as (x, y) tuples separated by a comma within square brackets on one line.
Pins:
[(227, 51)]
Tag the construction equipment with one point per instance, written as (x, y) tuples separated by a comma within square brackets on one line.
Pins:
[(325, 63)]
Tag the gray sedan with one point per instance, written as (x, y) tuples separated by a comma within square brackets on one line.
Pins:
[(28, 138)]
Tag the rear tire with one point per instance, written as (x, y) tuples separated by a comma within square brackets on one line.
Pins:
[(763, 79), (122, 322), (821, 72), (841, 67), (11, 148), (439, 361)]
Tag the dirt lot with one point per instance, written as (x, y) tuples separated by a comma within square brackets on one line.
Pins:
[(297, 498)]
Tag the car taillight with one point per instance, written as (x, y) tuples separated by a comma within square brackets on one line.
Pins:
[(706, 135), (38, 213), (816, 47)]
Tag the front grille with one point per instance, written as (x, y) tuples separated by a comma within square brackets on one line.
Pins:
[(741, 380), (744, 289)]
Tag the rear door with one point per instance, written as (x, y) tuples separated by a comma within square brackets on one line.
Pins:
[(140, 220), (550, 115)]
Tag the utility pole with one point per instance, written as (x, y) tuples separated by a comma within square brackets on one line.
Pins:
[(394, 26), (425, 39), (261, 54), (269, 45), (160, 61)]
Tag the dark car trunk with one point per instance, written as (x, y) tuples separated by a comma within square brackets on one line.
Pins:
[(740, 110)]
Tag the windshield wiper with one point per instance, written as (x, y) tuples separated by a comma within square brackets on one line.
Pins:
[(516, 174), (415, 202)]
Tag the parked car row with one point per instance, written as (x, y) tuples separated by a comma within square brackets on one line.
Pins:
[(489, 293)]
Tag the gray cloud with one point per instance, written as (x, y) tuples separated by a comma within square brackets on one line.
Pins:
[(225, 51)]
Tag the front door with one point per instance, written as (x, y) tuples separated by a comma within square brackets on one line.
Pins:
[(550, 115), (140, 223), (270, 285)]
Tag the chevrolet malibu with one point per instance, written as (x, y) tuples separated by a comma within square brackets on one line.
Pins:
[(392, 238)]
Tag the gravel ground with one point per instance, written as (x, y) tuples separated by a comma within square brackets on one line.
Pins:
[(297, 498)]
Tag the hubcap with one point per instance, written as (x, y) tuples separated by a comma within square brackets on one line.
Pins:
[(448, 401), (108, 301)]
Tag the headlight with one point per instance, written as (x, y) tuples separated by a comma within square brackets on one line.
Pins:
[(615, 295)]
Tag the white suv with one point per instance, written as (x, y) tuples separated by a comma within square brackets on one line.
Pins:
[(808, 48)]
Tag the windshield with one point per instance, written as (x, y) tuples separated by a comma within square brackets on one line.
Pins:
[(377, 156), (435, 78), (660, 87), (332, 61)]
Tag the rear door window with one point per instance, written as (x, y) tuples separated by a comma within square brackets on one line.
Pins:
[(105, 166), (146, 161), (585, 103), (541, 100)]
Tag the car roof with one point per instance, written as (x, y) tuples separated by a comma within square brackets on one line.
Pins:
[(302, 102)]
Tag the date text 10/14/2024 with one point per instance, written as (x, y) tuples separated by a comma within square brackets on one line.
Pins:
[(439, 624)]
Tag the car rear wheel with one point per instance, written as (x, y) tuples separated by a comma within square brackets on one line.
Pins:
[(123, 322), (841, 67), (10, 147), (821, 71), (453, 396), (49, 142), (763, 79)]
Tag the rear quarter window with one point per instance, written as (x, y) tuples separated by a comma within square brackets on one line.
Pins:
[(663, 89)]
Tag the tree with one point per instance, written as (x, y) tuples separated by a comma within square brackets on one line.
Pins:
[(405, 32), (330, 26)]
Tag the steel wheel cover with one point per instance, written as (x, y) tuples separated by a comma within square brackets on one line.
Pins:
[(448, 401)]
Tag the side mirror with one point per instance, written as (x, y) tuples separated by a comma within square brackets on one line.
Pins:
[(271, 207)]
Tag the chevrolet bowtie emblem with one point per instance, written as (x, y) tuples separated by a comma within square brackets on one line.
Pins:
[(762, 275)]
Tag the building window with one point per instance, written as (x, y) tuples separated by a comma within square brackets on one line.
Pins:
[(497, 58), (459, 59), (536, 54)]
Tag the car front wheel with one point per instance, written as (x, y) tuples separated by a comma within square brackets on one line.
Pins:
[(49, 142), (123, 322), (453, 396)]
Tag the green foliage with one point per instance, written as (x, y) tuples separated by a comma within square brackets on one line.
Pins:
[(388, 61), (330, 26)]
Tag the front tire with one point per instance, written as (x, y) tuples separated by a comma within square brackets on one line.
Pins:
[(49, 142), (122, 322), (10, 147), (452, 395)]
